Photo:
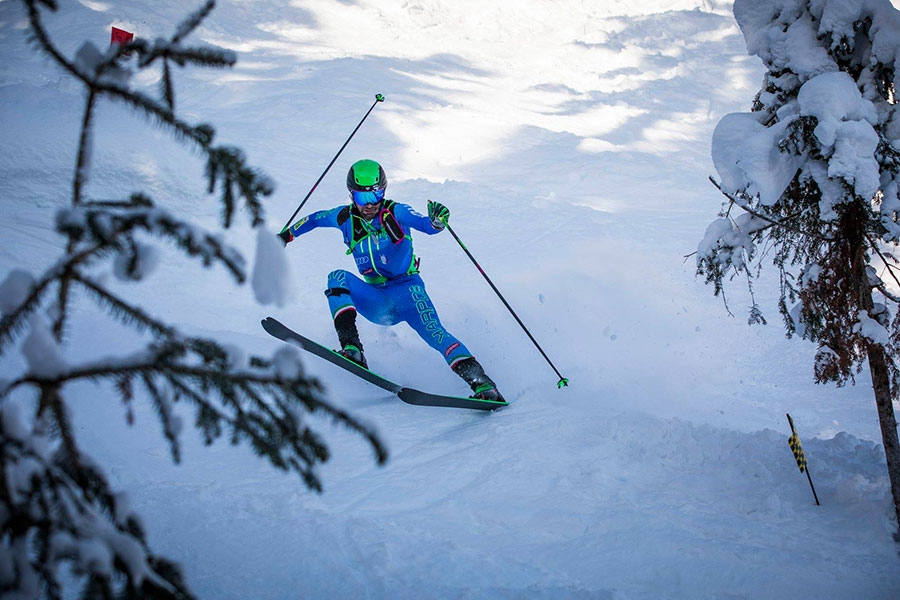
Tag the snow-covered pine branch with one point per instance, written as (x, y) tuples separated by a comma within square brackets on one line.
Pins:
[(172, 50), (111, 228), (61, 509), (103, 75), (61, 524), (817, 158), (260, 400), (20, 296), (192, 21)]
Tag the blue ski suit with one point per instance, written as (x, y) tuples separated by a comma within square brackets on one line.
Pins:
[(391, 290)]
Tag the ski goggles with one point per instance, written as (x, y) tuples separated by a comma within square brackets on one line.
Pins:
[(367, 198)]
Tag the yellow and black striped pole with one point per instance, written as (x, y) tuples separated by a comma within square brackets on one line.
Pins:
[(800, 457)]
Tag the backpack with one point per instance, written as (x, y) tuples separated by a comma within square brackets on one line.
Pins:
[(391, 225)]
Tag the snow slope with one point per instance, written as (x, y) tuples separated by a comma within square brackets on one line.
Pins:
[(571, 141)]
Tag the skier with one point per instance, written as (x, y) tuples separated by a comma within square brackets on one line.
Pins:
[(378, 232)]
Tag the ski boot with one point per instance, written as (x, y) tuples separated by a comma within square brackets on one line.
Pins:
[(354, 354), (482, 386), (348, 337)]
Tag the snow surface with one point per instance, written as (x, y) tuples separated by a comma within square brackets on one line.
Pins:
[(572, 142)]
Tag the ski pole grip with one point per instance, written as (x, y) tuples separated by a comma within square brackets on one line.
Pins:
[(379, 98)]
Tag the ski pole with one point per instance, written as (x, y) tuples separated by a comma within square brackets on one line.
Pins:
[(378, 98), (562, 380)]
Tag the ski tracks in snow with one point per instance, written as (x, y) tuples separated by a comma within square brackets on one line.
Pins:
[(595, 500)]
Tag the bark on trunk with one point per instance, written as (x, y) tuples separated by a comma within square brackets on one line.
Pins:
[(882, 388), (878, 362)]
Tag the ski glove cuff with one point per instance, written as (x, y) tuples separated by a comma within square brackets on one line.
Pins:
[(439, 214), (286, 236)]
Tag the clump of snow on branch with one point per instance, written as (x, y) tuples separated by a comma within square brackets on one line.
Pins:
[(730, 240), (271, 283), (15, 289), (746, 156), (871, 329), (139, 264), (41, 350), (93, 63), (845, 129), (287, 364)]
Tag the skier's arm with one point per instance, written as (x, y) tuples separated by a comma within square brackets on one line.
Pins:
[(426, 224), (322, 218)]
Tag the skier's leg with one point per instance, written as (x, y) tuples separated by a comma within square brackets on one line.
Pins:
[(342, 302), (419, 312), (348, 295), (417, 309)]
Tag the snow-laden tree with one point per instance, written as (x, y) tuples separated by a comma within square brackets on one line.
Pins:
[(60, 520), (811, 176)]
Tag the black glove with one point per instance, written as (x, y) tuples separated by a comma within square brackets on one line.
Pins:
[(286, 236), (439, 214)]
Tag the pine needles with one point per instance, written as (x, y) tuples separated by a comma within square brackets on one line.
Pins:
[(54, 501)]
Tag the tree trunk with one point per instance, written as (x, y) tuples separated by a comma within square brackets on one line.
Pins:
[(881, 385), (878, 365)]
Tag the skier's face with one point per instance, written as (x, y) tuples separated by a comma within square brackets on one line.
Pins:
[(369, 211), (368, 202)]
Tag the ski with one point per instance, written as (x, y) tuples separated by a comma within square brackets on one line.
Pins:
[(409, 395), (419, 398), (278, 329)]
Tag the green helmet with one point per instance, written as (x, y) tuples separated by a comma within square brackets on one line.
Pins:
[(366, 176)]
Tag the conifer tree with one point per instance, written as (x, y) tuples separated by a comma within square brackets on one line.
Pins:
[(58, 513), (811, 180)]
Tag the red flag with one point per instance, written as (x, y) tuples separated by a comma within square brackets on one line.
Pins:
[(120, 36)]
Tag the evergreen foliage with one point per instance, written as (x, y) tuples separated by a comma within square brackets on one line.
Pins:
[(832, 233), (57, 508)]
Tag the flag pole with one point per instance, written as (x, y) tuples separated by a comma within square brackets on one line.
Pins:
[(800, 457)]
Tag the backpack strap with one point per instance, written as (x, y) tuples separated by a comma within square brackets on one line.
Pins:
[(359, 229), (390, 222), (396, 233)]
